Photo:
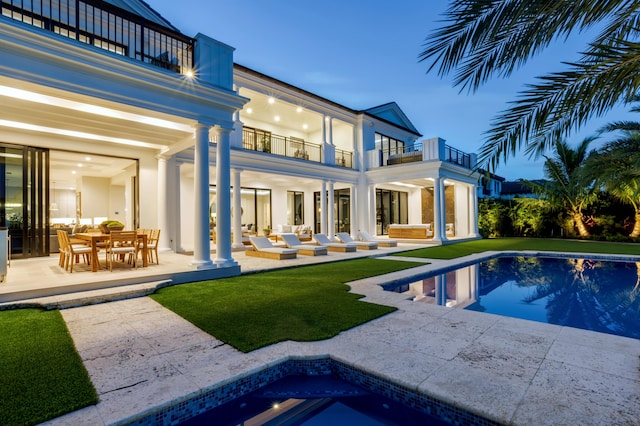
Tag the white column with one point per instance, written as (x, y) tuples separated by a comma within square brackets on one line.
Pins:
[(331, 225), (353, 215), (324, 130), (473, 210), (201, 246), (163, 205), (176, 207), (372, 210), (438, 209), (323, 208), (330, 140), (237, 211), (223, 200)]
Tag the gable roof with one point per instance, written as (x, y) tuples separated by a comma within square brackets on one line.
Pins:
[(392, 113), (142, 9)]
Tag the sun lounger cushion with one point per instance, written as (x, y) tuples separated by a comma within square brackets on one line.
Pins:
[(292, 241), (346, 238), (364, 236)]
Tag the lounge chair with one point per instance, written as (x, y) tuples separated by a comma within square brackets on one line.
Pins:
[(292, 241), (332, 246), (363, 245), (262, 247), (364, 236)]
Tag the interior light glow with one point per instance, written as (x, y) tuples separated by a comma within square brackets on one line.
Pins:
[(91, 109), (73, 172), (299, 109), (87, 158), (79, 164), (81, 135), (408, 185), (277, 118), (305, 126), (271, 101), (249, 110), (189, 74)]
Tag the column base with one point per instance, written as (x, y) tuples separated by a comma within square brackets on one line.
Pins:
[(237, 246), (203, 264), (226, 263)]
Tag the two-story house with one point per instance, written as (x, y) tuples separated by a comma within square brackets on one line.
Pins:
[(109, 112)]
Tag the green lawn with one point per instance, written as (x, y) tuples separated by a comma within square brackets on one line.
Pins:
[(305, 303), (452, 251), (41, 374)]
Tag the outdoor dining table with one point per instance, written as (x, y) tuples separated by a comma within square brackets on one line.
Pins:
[(95, 237)]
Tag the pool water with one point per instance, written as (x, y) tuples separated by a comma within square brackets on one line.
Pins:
[(590, 294), (313, 400)]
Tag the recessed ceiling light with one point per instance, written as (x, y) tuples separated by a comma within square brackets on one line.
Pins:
[(73, 172), (87, 158), (299, 109), (305, 126), (271, 101), (249, 110), (277, 118), (79, 164)]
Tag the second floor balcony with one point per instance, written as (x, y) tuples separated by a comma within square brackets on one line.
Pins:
[(292, 147), (108, 27), (429, 150)]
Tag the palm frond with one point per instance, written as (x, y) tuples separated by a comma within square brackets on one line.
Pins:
[(494, 37), (564, 101)]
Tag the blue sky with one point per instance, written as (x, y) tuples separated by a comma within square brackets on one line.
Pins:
[(363, 54)]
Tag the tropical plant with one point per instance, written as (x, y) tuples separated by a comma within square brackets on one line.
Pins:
[(615, 166), (484, 38), (567, 188)]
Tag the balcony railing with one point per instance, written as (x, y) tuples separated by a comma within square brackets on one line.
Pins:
[(107, 27), (456, 156), (259, 140), (438, 151), (344, 158)]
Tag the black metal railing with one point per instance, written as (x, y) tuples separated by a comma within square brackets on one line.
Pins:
[(344, 158), (108, 27), (408, 154), (455, 156), (260, 140)]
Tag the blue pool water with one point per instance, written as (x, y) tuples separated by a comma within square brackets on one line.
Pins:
[(590, 294), (313, 401)]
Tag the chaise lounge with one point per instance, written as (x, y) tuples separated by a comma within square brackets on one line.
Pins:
[(362, 245), (333, 246), (262, 247), (364, 236), (292, 241)]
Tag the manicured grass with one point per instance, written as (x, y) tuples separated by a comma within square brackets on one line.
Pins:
[(452, 251), (306, 303), (41, 374)]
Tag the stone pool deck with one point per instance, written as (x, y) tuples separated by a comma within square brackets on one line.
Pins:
[(141, 356)]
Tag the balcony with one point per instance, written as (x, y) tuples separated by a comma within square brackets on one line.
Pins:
[(108, 27), (428, 150), (289, 146)]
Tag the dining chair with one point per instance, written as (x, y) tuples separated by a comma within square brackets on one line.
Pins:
[(121, 244), (72, 252), (152, 245)]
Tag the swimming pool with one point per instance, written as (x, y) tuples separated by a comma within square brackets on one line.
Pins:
[(597, 295)]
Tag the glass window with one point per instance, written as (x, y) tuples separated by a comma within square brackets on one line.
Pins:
[(295, 208), (391, 207)]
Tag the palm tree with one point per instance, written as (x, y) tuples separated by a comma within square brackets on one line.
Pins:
[(484, 38), (567, 187), (615, 166)]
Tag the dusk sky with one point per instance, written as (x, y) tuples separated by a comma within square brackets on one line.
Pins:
[(362, 54)]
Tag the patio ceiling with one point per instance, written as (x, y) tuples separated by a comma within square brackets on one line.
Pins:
[(43, 111)]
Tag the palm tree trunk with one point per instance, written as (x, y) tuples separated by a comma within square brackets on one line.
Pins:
[(636, 227), (582, 229)]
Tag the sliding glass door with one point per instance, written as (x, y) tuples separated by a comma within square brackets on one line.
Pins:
[(24, 199)]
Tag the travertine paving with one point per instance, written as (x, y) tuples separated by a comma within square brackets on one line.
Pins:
[(140, 356)]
